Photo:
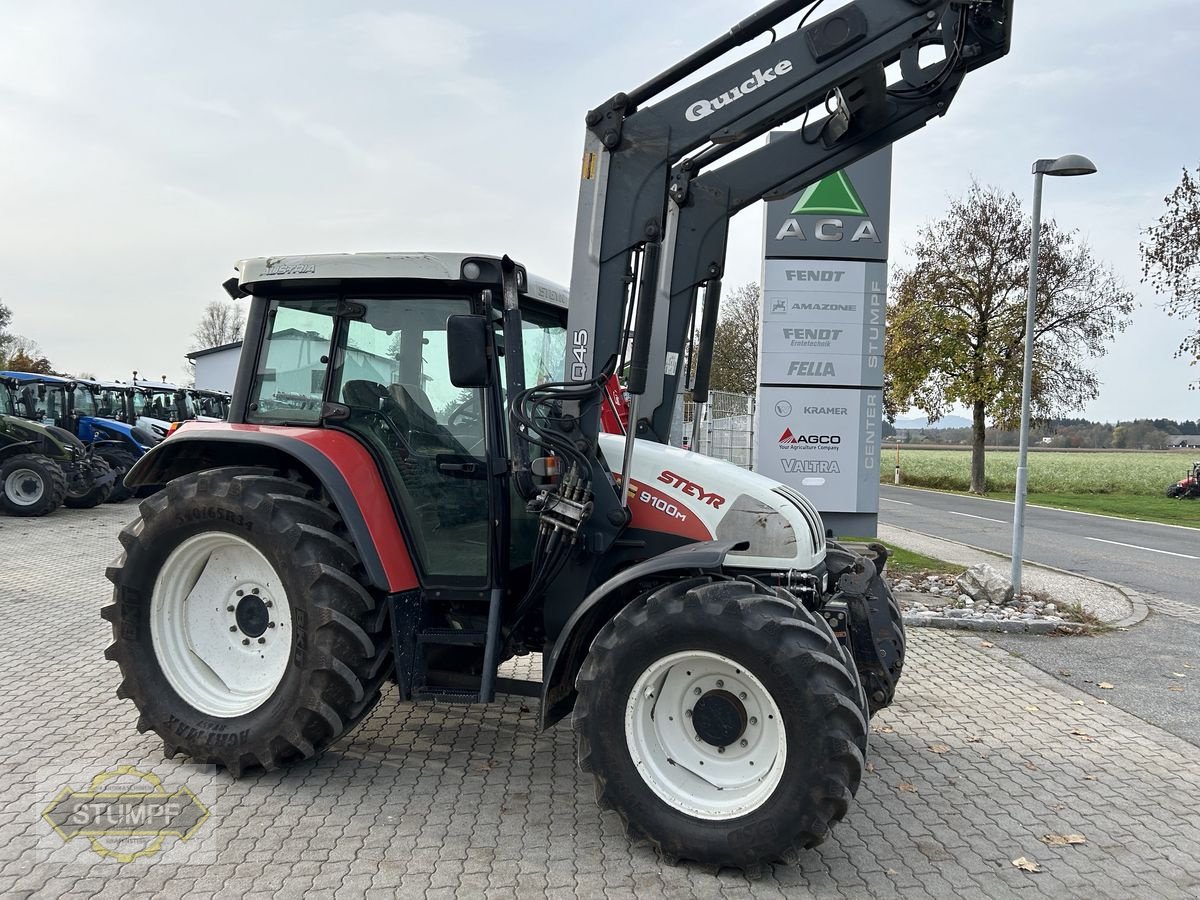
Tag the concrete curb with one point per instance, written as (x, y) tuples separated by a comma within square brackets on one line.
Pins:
[(1137, 604), (996, 626)]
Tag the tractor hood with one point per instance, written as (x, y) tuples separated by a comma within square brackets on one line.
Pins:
[(705, 499)]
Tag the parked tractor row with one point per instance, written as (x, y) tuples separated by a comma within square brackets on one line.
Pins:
[(70, 441)]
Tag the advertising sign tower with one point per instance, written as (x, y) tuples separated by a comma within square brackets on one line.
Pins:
[(820, 349)]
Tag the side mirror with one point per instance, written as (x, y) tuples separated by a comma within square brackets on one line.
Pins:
[(466, 349)]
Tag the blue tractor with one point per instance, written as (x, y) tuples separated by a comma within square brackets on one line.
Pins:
[(96, 413)]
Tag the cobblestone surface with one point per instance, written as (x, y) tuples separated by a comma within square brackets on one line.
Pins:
[(980, 757)]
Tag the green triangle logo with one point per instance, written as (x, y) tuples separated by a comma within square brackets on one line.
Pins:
[(833, 195)]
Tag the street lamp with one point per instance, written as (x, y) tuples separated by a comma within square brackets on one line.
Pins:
[(1071, 164)]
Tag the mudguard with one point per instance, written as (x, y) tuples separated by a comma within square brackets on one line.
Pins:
[(343, 467), (560, 665)]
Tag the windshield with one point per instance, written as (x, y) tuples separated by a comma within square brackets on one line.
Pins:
[(110, 404), (7, 408), (44, 402), (165, 403), (84, 403), (210, 405)]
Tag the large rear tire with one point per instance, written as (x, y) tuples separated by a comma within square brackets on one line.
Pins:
[(241, 625), (721, 723), (95, 490), (31, 485)]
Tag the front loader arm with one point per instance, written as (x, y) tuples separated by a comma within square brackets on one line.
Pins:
[(649, 174), (658, 186)]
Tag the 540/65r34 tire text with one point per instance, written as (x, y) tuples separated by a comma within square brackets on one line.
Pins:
[(243, 632)]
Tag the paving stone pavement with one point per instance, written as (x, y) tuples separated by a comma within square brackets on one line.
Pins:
[(980, 757)]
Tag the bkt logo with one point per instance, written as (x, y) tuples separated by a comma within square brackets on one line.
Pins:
[(831, 196), (788, 439)]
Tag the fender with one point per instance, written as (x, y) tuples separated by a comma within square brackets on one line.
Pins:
[(562, 663), (341, 465), (16, 445)]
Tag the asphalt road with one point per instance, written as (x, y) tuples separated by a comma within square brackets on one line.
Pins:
[(1160, 560)]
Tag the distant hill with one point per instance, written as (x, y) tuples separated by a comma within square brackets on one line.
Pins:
[(944, 422)]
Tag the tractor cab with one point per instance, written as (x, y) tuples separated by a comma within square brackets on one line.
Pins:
[(211, 406), (41, 398), (156, 406)]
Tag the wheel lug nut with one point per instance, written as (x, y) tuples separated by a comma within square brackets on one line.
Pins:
[(229, 609), (697, 692), (753, 720), (262, 640), (240, 592), (270, 624), (720, 749), (745, 743), (687, 713), (269, 604), (742, 695), (254, 591), (720, 682), (233, 628), (245, 641)]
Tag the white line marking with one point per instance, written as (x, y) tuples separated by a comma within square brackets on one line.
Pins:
[(1074, 512), (1136, 547), (969, 516), (901, 502)]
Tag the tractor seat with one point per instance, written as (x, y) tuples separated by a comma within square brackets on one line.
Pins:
[(365, 394), (415, 404)]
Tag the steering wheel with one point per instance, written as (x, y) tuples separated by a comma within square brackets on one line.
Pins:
[(464, 414)]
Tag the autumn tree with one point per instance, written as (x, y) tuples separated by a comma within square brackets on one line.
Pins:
[(1171, 259), (956, 318), (25, 355), (735, 343)]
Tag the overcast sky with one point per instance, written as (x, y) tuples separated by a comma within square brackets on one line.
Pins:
[(146, 146)]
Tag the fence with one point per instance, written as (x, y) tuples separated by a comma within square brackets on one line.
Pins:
[(726, 427)]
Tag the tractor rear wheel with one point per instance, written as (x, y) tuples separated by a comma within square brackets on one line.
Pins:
[(92, 489), (721, 723), (242, 628), (31, 485), (120, 461)]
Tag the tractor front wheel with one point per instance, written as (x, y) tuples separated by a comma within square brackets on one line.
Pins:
[(31, 485), (242, 628), (722, 723), (120, 461), (93, 488)]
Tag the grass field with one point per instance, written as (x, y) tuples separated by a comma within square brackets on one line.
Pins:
[(1131, 485)]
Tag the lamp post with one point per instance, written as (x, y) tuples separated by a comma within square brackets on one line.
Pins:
[(1071, 164)]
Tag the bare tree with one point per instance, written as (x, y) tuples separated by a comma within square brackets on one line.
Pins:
[(956, 318), (1171, 259), (5, 337), (221, 324)]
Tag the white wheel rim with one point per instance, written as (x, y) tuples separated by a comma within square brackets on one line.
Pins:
[(209, 601), (686, 771), (24, 487)]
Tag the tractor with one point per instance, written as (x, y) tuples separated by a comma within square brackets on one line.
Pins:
[(158, 405), (94, 412), (42, 465), (414, 485), (1188, 487)]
